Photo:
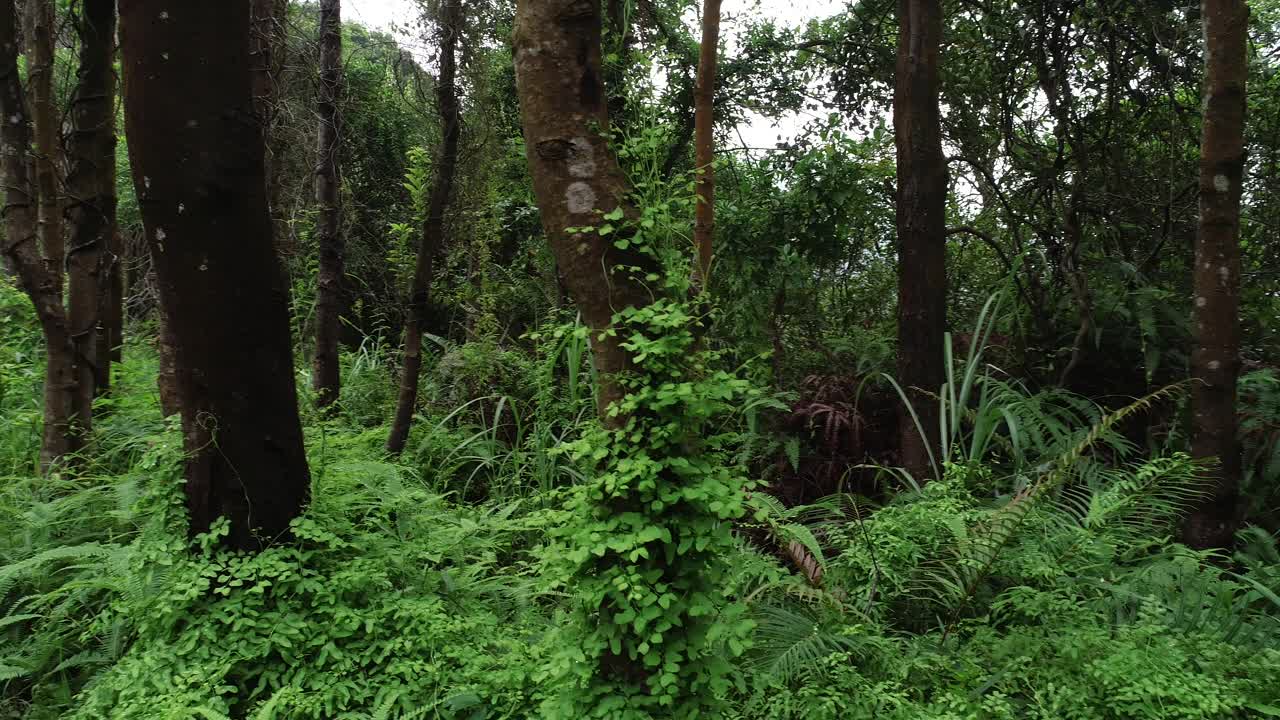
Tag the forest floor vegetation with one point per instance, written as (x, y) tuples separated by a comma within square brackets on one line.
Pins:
[(431, 587)]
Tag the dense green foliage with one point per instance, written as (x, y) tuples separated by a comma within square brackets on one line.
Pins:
[(452, 585), (741, 546)]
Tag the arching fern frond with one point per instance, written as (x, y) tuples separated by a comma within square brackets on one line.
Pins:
[(789, 640), (951, 583)]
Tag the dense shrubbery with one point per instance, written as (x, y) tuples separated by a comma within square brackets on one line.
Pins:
[(743, 546), (459, 583)]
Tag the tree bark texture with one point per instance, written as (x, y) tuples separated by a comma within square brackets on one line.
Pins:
[(91, 202), (38, 35), (434, 227), (326, 376), (113, 317), (921, 220), (38, 278), (705, 145), (198, 168), (576, 177), (1215, 360), (268, 55), (167, 378)]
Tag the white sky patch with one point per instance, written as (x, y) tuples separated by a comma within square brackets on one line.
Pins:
[(400, 18), (760, 132), (380, 14)]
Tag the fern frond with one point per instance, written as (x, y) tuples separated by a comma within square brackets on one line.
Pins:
[(952, 583), (787, 642)]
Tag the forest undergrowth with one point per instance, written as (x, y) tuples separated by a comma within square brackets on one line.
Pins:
[(1037, 577)]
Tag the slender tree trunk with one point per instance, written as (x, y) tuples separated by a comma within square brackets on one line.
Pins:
[(91, 186), (325, 376), (704, 144), (434, 227), (41, 280), (1215, 361), (38, 34), (921, 213), (576, 177), (199, 173)]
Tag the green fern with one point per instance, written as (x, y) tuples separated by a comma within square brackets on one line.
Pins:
[(950, 584), (790, 640)]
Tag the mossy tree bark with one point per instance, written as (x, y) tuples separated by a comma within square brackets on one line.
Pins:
[(576, 177)]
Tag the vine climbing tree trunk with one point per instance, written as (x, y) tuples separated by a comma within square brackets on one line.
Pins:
[(198, 170), (704, 144), (91, 208), (434, 227), (576, 178), (1215, 360), (921, 219), (40, 278), (326, 377)]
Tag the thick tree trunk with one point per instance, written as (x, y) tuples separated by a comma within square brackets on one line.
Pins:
[(41, 280), (434, 228), (167, 378), (199, 175), (921, 213), (576, 177), (268, 54), (325, 372), (264, 50), (113, 315), (1215, 361), (38, 35), (91, 187), (704, 144)]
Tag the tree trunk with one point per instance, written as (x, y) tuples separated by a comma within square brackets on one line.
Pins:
[(433, 230), (576, 177), (91, 185), (264, 50), (38, 35), (704, 144), (325, 372), (41, 280), (199, 174), (1215, 361), (167, 378), (113, 315), (921, 219), (267, 51)]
